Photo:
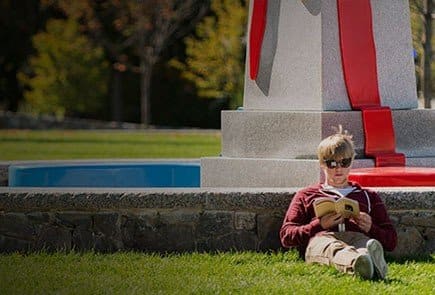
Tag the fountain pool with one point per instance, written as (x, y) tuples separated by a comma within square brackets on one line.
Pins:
[(105, 174)]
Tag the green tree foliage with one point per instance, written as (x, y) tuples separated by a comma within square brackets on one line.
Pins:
[(69, 74), (134, 34), (215, 56), (106, 24), (19, 20), (422, 38)]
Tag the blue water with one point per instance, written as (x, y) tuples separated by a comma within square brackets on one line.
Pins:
[(148, 174)]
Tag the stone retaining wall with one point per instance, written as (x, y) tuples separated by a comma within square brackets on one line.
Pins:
[(179, 220), (4, 174)]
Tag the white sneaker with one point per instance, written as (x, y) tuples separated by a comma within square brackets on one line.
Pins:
[(363, 267), (377, 254)]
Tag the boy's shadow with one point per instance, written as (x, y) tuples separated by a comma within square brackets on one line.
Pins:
[(423, 258), (429, 258)]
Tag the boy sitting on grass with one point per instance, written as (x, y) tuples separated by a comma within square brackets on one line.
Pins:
[(352, 245)]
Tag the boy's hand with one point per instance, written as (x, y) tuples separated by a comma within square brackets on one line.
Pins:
[(330, 220), (364, 221)]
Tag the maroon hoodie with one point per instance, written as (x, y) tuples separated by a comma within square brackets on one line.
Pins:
[(300, 222)]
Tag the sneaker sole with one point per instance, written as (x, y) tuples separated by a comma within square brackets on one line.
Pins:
[(376, 252), (363, 267)]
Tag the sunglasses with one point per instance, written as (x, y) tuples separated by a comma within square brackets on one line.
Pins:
[(344, 163)]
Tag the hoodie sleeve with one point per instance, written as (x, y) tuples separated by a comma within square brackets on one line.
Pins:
[(382, 228), (298, 226)]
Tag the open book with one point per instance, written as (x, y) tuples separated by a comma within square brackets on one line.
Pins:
[(347, 207)]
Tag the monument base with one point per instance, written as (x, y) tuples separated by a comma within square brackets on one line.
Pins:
[(278, 148), (296, 134), (248, 172)]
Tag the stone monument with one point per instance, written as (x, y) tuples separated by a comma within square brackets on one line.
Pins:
[(307, 71)]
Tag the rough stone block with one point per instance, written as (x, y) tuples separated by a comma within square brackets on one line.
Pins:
[(178, 237), (215, 231), (134, 228), (147, 232), (4, 175), (74, 219), (83, 240), (53, 238), (10, 244), (16, 225), (409, 242), (128, 227), (38, 217), (106, 223), (188, 216), (429, 235), (419, 218), (268, 226), (244, 221), (244, 241), (215, 223), (107, 231)]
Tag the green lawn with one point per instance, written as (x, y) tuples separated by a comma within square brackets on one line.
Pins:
[(222, 273), (68, 144)]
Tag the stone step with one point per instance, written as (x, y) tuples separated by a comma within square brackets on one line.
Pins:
[(250, 172), (296, 134)]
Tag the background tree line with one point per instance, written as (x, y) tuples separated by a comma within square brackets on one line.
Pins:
[(422, 13), (159, 62)]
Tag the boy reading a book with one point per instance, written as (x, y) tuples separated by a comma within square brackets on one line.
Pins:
[(351, 240)]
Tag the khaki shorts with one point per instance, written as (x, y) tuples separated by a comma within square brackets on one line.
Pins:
[(339, 249)]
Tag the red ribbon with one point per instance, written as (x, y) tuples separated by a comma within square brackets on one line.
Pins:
[(258, 25), (358, 56)]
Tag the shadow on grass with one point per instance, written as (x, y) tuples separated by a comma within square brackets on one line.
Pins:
[(390, 281), (427, 258)]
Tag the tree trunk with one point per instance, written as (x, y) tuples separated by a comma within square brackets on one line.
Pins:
[(145, 91), (427, 83), (116, 105)]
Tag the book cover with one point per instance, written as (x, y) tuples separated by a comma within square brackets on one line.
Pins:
[(347, 207)]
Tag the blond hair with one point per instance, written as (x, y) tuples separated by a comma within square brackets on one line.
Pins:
[(337, 146)]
